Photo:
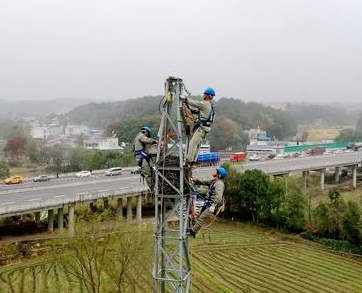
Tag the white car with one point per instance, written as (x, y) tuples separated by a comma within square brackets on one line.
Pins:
[(114, 171), (279, 157), (83, 174), (254, 158)]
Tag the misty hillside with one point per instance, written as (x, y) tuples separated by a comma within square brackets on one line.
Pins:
[(246, 115), (38, 108), (99, 115), (328, 115)]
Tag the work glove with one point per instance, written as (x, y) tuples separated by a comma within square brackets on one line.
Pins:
[(212, 208)]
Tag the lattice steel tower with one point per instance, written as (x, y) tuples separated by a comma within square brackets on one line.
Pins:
[(171, 266)]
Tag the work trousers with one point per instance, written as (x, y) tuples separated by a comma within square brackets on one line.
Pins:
[(200, 220), (147, 174), (194, 145)]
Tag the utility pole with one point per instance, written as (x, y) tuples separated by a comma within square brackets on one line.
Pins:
[(172, 272)]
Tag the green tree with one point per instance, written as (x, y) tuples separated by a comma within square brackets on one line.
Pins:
[(351, 223), (253, 192), (349, 135), (336, 209), (78, 159), (4, 170), (276, 196), (294, 205), (329, 216), (58, 157), (226, 133), (323, 220)]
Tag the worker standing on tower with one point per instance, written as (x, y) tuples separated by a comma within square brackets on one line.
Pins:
[(214, 201), (206, 116), (141, 148)]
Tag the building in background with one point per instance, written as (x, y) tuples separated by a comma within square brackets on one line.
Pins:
[(73, 129), (103, 144), (254, 134)]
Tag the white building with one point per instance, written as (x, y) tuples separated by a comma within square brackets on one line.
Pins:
[(73, 129), (103, 144), (46, 131), (254, 134)]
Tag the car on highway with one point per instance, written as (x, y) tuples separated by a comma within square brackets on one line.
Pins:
[(254, 158), (136, 170), (83, 174), (271, 156), (17, 179), (279, 157), (114, 171), (41, 178)]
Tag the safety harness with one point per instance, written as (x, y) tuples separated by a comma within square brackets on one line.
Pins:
[(207, 123), (141, 155)]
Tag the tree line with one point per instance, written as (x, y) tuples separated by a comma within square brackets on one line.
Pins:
[(284, 204), (21, 151), (233, 118), (352, 135)]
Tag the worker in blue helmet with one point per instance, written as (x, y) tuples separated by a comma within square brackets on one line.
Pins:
[(205, 112), (214, 199), (142, 151)]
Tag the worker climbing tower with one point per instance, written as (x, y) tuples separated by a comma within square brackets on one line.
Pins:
[(171, 265)]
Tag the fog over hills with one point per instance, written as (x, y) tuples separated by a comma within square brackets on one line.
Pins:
[(38, 108)]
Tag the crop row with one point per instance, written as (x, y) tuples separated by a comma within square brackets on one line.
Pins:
[(283, 270), (307, 267)]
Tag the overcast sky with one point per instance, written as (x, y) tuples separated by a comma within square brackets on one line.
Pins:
[(262, 50)]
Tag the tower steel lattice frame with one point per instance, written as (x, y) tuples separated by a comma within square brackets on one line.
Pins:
[(172, 271)]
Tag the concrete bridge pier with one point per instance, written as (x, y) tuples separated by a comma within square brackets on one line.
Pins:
[(139, 208), (60, 219), (336, 174), (120, 208), (305, 179), (71, 221), (50, 220), (92, 206), (37, 217), (129, 209), (322, 178), (354, 176)]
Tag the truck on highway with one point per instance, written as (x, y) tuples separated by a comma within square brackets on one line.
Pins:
[(238, 157), (208, 159), (317, 151), (355, 146)]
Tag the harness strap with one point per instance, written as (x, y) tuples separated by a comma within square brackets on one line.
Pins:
[(209, 120)]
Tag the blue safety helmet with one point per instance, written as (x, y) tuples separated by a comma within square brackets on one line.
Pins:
[(222, 172), (210, 91), (148, 129)]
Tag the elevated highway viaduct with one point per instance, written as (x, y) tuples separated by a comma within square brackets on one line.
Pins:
[(313, 163), (59, 198)]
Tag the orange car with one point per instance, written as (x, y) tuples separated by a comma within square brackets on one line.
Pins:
[(17, 179)]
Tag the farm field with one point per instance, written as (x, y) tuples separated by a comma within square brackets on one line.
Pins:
[(320, 134), (228, 258)]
